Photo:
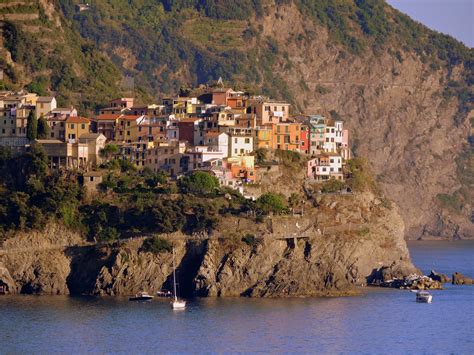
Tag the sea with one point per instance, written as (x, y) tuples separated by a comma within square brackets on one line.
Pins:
[(379, 321)]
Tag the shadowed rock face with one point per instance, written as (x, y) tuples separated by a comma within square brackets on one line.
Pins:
[(291, 256)]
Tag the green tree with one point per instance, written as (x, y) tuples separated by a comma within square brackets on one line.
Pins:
[(199, 183), (43, 128), (271, 203), (31, 126), (108, 151)]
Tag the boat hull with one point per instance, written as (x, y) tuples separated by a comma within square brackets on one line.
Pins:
[(143, 298), (178, 305), (424, 299)]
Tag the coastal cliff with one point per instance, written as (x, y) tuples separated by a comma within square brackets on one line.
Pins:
[(335, 246)]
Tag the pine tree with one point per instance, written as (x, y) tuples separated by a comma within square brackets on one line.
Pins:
[(31, 126), (43, 128)]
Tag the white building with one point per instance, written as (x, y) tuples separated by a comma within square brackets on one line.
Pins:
[(240, 144), (217, 141), (44, 105), (325, 166), (333, 135)]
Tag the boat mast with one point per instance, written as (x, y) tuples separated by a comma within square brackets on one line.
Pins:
[(174, 279)]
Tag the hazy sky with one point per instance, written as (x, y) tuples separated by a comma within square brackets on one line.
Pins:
[(453, 17)]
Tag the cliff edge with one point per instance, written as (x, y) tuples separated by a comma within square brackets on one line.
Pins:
[(333, 247)]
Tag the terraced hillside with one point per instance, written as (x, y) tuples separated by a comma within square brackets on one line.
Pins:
[(40, 51)]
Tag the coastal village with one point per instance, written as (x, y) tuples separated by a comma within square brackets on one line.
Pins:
[(210, 128)]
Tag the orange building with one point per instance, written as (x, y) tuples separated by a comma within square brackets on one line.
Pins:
[(286, 136)]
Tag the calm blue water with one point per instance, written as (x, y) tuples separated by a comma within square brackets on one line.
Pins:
[(379, 321)]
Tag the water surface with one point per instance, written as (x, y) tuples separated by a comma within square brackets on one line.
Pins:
[(378, 321)]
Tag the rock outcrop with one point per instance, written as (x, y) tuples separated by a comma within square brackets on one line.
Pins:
[(288, 256), (439, 277), (460, 279)]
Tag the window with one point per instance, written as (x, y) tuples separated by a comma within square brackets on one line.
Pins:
[(83, 126), (52, 134), (247, 140), (235, 140), (91, 178), (267, 109), (331, 160), (72, 125), (128, 133)]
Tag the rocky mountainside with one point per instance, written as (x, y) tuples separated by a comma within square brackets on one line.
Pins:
[(329, 250), (404, 91)]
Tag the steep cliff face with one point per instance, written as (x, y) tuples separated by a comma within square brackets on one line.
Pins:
[(395, 107), (328, 251)]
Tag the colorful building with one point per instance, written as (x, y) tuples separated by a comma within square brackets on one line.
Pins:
[(286, 136)]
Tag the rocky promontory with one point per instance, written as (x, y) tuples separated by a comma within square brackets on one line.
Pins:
[(341, 243)]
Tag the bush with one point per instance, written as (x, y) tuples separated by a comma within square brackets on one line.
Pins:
[(251, 240), (271, 203), (157, 245), (360, 176), (332, 185), (107, 234), (199, 183)]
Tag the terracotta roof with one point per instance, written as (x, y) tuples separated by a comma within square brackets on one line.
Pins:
[(45, 99), (74, 119), (130, 117), (108, 117)]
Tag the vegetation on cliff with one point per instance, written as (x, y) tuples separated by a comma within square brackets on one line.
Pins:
[(132, 203)]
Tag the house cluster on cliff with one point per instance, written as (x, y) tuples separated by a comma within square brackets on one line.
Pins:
[(212, 128)]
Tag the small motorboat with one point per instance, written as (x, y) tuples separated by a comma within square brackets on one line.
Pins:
[(164, 294), (141, 296), (423, 297)]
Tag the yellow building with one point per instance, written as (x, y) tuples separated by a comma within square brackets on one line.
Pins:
[(126, 129), (264, 137), (76, 127)]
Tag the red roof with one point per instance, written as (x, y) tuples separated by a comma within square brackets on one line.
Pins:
[(130, 117)]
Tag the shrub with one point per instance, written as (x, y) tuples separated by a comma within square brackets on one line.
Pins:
[(360, 177), (107, 234), (251, 240), (157, 245), (199, 183), (271, 203), (332, 185)]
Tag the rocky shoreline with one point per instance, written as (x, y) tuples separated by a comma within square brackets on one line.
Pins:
[(289, 257)]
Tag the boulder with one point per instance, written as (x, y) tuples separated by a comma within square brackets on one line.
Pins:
[(460, 279), (439, 277)]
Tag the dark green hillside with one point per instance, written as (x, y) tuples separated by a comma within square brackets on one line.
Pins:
[(49, 56)]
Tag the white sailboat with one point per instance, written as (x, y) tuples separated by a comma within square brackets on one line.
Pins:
[(176, 303)]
